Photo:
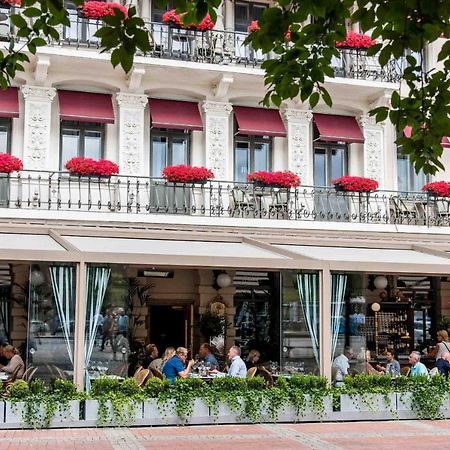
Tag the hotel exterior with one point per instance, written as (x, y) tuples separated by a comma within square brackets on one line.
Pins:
[(304, 264)]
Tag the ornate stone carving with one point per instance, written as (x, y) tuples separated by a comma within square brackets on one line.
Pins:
[(37, 92), (217, 107), (297, 114), (216, 141), (37, 126), (124, 99), (299, 160), (374, 154)]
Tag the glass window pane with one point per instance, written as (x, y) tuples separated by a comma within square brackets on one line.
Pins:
[(179, 151), (402, 172), (4, 139), (70, 144), (241, 161), (93, 144), (257, 12), (320, 175), (261, 156), (337, 163), (158, 155)]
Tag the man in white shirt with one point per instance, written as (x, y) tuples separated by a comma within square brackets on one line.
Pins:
[(341, 365), (237, 366)]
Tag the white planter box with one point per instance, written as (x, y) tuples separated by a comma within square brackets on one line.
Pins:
[(165, 414), (368, 402), (224, 414), (92, 416), (405, 406), (14, 414)]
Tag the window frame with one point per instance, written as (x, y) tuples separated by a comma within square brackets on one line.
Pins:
[(250, 7), (329, 147), (7, 122), (155, 10), (411, 172), (81, 127), (252, 140), (170, 134)]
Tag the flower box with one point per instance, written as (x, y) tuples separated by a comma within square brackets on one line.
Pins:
[(155, 414), (184, 174), (97, 9), (14, 414), (355, 184), (93, 415), (356, 41), (437, 188), (9, 163), (406, 410), (281, 179), (81, 166), (174, 20), (223, 413)]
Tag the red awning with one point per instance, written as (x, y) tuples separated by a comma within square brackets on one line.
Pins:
[(338, 128), (259, 121), (9, 102), (175, 115), (407, 131), (85, 107)]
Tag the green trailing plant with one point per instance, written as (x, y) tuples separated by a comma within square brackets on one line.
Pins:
[(229, 391), (255, 398), (211, 324)]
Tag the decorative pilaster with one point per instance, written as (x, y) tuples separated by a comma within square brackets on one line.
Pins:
[(131, 133), (217, 134), (299, 134), (38, 109), (374, 149)]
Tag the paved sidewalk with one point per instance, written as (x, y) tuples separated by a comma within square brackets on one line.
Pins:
[(410, 435)]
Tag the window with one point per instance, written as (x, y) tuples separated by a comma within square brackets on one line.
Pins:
[(5, 135), (81, 139), (157, 13), (251, 154), (80, 29), (245, 12), (407, 178), (330, 162), (169, 148)]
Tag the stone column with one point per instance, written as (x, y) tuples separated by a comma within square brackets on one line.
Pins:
[(131, 133), (229, 15), (299, 135), (38, 109), (374, 149), (217, 134)]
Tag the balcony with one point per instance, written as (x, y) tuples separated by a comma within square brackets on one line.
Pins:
[(213, 47), (59, 191)]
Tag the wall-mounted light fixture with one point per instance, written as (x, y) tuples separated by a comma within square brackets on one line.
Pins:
[(153, 273), (221, 280)]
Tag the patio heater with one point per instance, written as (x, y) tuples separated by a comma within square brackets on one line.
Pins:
[(375, 307)]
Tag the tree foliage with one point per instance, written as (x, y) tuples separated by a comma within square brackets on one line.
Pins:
[(299, 67)]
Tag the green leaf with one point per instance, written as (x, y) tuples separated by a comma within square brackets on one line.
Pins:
[(18, 21)]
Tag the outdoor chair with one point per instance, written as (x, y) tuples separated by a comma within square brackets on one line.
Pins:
[(141, 376), (403, 211), (243, 203), (405, 371), (262, 371), (10, 380), (29, 373), (157, 373), (251, 372)]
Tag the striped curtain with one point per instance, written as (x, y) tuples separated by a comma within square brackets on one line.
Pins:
[(338, 286)]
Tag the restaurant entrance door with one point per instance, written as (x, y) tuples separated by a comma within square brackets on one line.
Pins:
[(169, 326)]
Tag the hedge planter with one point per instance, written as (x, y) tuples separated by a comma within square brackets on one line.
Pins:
[(368, 406), (406, 409), (15, 415), (223, 413), (94, 416)]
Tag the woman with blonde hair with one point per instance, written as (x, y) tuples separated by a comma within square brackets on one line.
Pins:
[(442, 346), (159, 362), (12, 355), (252, 359)]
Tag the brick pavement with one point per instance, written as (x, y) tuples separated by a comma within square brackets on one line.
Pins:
[(411, 435)]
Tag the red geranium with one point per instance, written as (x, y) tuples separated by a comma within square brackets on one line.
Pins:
[(254, 26), (11, 2), (355, 184), (438, 188), (97, 10), (356, 40), (88, 166), (183, 173), (9, 163), (172, 18), (285, 179)]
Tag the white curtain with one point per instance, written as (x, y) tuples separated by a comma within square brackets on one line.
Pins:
[(338, 286), (97, 279), (308, 291), (63, 290)]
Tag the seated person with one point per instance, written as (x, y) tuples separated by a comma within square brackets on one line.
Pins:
[(174, 367), (443, 364), (341, 365), (151, 353), (236, 366), (158, 363), (392, 366), (252, 359), (363, 365), (417, 368), (14, 360), (207, 356)]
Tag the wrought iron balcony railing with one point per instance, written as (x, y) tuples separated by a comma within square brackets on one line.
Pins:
[(214, 47), (58, 191)]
